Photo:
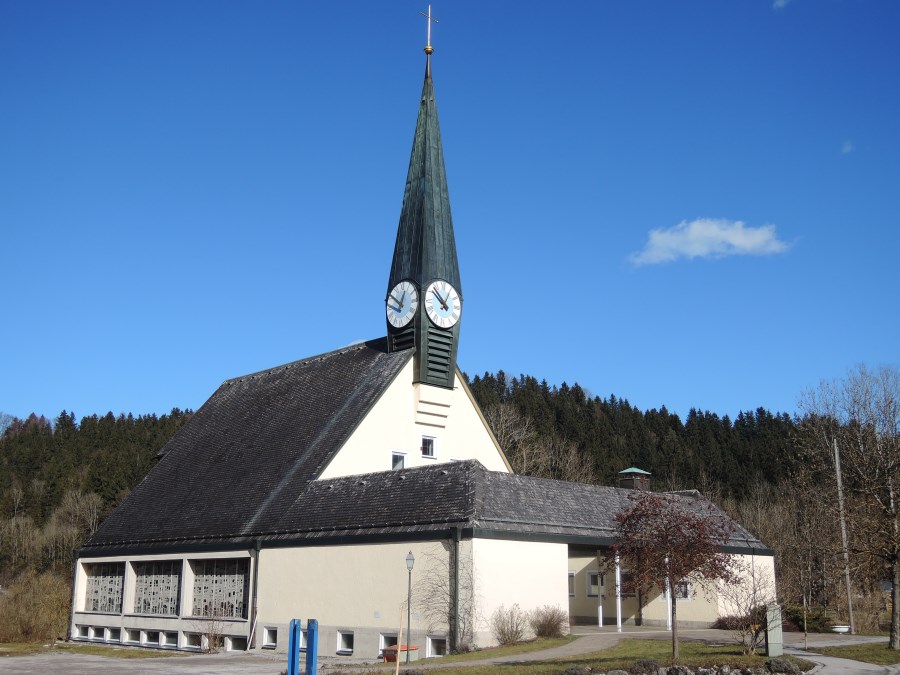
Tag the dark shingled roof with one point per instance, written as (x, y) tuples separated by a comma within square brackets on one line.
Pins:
[(430, 501), (245, 456)]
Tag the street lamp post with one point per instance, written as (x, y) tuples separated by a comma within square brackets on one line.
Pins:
[(410, 561)]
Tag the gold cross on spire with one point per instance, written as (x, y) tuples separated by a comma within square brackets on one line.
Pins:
[(428, 48)]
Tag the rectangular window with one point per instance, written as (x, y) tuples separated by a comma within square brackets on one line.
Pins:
[(386, 640), (156, 588), (398, 460), (114, 634), (104, 587), (427, 446), (221, 588), (170, 639), (132, 635), (436, 646), (270, 638), (629, 590), (571, 584), (594, 582), (344, 642), (193, 640), (683, 590), (235, 644)]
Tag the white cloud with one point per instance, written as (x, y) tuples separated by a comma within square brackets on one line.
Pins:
[(780, 4), (707, 238), (847, 147)]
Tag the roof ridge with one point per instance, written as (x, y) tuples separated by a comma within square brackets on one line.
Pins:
[(352, 347)]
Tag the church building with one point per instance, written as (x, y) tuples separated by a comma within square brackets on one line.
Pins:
[(300, 491)]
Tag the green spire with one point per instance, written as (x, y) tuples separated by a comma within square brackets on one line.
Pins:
[(425, 250)]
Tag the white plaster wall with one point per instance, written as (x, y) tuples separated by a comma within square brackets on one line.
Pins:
[(349, 586), (759, 575), (394, 425), (530, 574)]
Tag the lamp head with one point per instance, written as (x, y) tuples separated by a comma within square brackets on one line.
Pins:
[(410, 561)]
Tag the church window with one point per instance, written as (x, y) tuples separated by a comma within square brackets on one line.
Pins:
[(398, 460), (594, 582), (104, 587), (221, 588), (345, 642), (157, 586), (571, 584), (427, 446)]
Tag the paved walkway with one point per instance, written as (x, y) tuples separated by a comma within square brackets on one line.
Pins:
[(590, 639)]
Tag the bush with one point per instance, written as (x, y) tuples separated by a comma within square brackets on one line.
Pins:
[(508, 625), (816, 622), (549, 621), (35, 609)]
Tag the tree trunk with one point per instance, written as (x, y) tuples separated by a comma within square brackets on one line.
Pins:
[(895, 605), (674, 625)]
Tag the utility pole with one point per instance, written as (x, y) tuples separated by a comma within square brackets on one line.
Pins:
[(843, 519)]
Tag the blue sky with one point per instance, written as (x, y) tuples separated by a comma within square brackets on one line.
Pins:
[(686, 203)]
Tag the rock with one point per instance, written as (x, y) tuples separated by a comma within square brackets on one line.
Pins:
[(576, 670), (779, 665), (616, 671), (645, 667), (679, 670)]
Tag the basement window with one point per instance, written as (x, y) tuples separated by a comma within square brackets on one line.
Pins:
[(436, 646), (428, 447), (386, 640), (270, 638), (344, 642)]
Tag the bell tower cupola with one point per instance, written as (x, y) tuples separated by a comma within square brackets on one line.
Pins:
[(424, 293)]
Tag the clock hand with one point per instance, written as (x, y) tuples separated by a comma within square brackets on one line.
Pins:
[(443, 300), (399, 302)]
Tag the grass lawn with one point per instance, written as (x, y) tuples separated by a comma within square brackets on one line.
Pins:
[(877, 653), (623, 656), (24, 648)]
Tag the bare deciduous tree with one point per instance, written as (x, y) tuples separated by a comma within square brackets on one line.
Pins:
[(434, 595), (857, 419)]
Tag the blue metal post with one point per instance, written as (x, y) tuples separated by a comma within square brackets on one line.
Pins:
[(312, 645), (294, 636)]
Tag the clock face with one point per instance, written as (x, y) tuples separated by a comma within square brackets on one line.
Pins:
[(402, 303), (442, 304)]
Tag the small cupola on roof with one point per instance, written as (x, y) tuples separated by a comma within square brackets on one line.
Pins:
[(424, 292), (634, 479)]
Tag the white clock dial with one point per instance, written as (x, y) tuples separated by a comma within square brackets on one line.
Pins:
[(402, 303), (442, 303)]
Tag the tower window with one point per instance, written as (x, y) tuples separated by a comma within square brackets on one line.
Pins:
[(427, 446)]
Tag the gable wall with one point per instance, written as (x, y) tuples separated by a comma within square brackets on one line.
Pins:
[(402, 416)]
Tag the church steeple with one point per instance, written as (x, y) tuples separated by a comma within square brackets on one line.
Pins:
[(424, 298)]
